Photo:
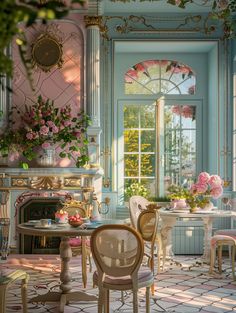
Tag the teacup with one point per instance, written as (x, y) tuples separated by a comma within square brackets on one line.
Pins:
[(45, 222)]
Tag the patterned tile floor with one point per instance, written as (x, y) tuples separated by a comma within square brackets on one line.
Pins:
[(178, 289)]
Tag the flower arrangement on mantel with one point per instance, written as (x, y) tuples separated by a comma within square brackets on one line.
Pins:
[(42, 125)]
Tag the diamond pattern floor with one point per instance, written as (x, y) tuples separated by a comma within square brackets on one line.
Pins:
[(178, 289)]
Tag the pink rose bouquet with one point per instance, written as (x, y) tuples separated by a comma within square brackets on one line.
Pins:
[(207, 186), (43, 124)]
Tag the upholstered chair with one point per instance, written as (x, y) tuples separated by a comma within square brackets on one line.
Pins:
[(118, 252), (7, 278), (217, 242)]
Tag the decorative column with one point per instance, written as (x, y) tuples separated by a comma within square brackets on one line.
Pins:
[(93, 86)]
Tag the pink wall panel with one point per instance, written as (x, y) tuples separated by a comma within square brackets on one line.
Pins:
[(64, 85)]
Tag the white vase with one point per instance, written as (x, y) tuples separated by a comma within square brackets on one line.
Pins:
[(209, 206), (46, 157)]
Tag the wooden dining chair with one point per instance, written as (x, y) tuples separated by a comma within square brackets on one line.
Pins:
[(138, 204), (147, 226), (80, 245), (118, 252), (7, 278)]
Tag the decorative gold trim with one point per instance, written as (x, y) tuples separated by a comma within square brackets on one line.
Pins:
[(19, 182), (46, 183), (47, 52), (72, 182), (94, 20)]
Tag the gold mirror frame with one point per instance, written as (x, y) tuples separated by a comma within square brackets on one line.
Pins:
[(47, 52)]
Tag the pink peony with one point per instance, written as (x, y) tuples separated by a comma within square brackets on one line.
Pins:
[(215, 181), (201, 187), (216, 192), (203, 178)]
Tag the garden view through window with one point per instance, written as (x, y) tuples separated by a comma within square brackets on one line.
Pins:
[(175, 162)]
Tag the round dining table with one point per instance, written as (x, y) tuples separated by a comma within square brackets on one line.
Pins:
[(169, 218), (65, 231)]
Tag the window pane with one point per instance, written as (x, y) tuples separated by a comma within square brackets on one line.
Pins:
[(150, 184), (131, 165), (172, 116), (167, 76), (147, 116), (131, 140), (148, 138), (147, 165), (188, 116), (188, 142), (131, 114)]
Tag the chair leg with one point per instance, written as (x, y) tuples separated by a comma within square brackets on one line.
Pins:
[(100, 300), (107, 301), (3, 298), (233, 261), (84, 261), (220, 258), (212, 259), (147, 299), (90, 262), (135, 301), (24, 286)]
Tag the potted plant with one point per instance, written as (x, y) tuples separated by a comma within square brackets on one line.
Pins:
[(135, 189), (44, 127)]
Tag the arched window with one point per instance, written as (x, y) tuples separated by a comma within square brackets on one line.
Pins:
[(160, 76)]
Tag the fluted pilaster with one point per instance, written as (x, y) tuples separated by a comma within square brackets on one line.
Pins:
[(93, 69)]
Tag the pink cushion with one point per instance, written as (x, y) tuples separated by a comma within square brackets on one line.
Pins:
[(77, 242), (144, 275), (216, 238)]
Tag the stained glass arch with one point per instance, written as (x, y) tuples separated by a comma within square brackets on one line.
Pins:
[(160, 76)]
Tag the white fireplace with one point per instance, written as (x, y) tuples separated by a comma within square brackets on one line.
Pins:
[(18, 186)]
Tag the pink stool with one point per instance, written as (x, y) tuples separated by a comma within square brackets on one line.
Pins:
[(217, 242)]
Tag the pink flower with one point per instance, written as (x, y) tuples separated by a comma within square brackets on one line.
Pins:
[(42, 122), (45, 145), (191, 90), (201, 187), (29, 136), (55, 129), (44, 130), (203, 178), (67, 123), (216, 192), (215, 181), (187, 111), (176, 109), (50, 123)]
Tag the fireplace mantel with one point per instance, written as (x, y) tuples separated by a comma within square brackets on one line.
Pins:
[(48, 178), (17, 184)]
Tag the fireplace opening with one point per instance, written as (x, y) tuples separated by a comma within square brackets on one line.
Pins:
[(35, 209)]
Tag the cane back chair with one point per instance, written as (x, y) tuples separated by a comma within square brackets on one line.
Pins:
[(118, 252)]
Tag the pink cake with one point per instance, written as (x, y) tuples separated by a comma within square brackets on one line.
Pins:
[(61, 217)]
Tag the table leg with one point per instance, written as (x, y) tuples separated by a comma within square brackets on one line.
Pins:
[(207, 222), (66, 294), (166, 232)]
